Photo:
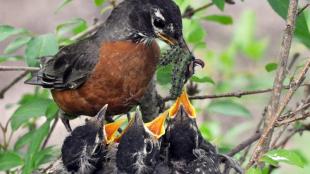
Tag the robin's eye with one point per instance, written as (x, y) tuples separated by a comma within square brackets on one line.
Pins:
[(148, 146), (159, 23)]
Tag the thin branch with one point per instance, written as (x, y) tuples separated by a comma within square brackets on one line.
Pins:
[(50, 132), (274, 111), (87, 32), (19, 68), (295, 85), (244, 144), (237, 94), (16, 80), (189, 12), (303, 8)]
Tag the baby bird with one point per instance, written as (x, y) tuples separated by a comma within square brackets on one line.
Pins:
[(84, 150), (138, 150), (185, 148)]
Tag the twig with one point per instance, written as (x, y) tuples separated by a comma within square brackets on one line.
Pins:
[(292, 133), (303, 8), (274, 111), (50, 132), (294, 59), (237, 94), (244, 144), (89, 31), (18, 68), (16, 80), (189, 12), (295, 85)]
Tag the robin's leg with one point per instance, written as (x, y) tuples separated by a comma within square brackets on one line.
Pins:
[(65, 119)]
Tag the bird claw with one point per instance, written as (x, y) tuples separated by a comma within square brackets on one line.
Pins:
[(191, 67), (230, 163)]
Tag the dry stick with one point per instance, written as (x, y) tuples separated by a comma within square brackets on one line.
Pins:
[(50, 132), (244, 144), (16, 80), (190, 12), (295, 85), (273, 109), (303, 8), (237, 94), (18, 68)]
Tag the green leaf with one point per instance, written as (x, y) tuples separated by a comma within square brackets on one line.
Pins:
[(222, 19), (283, 155), (16, 44), (164, 75), (254, 170), (62, 5), (219, 3), (7, 31), (302, 32), (44, 156), (99, 2), (51, 111), (204, 79), (33, 109), (23, 140), (228, 107), (75, 26), (9, 160), (271, 67), (40, 46), (34, 147)]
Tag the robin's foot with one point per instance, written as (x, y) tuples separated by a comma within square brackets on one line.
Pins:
[(64, 118)]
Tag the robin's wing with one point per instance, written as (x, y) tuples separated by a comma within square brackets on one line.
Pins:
[(69, 68)]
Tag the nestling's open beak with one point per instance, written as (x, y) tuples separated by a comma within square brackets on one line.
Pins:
[(185, 102), (110, 130), (157, 126)]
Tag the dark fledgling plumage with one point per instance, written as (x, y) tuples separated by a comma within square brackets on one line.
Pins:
[(83, 150), (183, 147), (115, 64), (138, 150)]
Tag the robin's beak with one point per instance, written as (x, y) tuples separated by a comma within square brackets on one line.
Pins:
[(157, 126), (166, 38), (111, 129), (184, 101)]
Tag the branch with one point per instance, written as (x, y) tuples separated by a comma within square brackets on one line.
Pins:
[(295, 84), (16, 80), (244, 144), (189, 12), (274, 110), (19, 68), (237, 94)]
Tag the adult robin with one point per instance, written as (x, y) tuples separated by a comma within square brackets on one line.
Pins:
[(187, 151), (114, 65), (85, 149)]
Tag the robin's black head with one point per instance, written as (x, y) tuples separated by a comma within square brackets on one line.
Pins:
[(145, 20), (138, 149), (160, 19)]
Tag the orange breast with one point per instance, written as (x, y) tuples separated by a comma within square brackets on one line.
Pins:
[(119, 79)]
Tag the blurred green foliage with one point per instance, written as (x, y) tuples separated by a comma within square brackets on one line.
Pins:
[(27, 153)]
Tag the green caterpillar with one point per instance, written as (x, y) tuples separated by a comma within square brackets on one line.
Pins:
[(179, 59)]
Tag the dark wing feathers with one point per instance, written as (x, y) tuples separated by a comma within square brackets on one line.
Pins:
[(69, 68)]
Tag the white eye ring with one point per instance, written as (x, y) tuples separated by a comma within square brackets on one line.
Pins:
[(158, 14)]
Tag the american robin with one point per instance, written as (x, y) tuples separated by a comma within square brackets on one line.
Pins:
[(186, 149), (139, 146), (84, 150), (114, 65)]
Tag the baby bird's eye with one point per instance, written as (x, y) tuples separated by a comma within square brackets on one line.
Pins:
[(148, 146)]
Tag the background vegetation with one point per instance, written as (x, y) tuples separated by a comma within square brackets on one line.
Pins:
[(230, 93)]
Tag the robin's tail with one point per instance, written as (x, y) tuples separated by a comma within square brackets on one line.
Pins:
[(36, 77)]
